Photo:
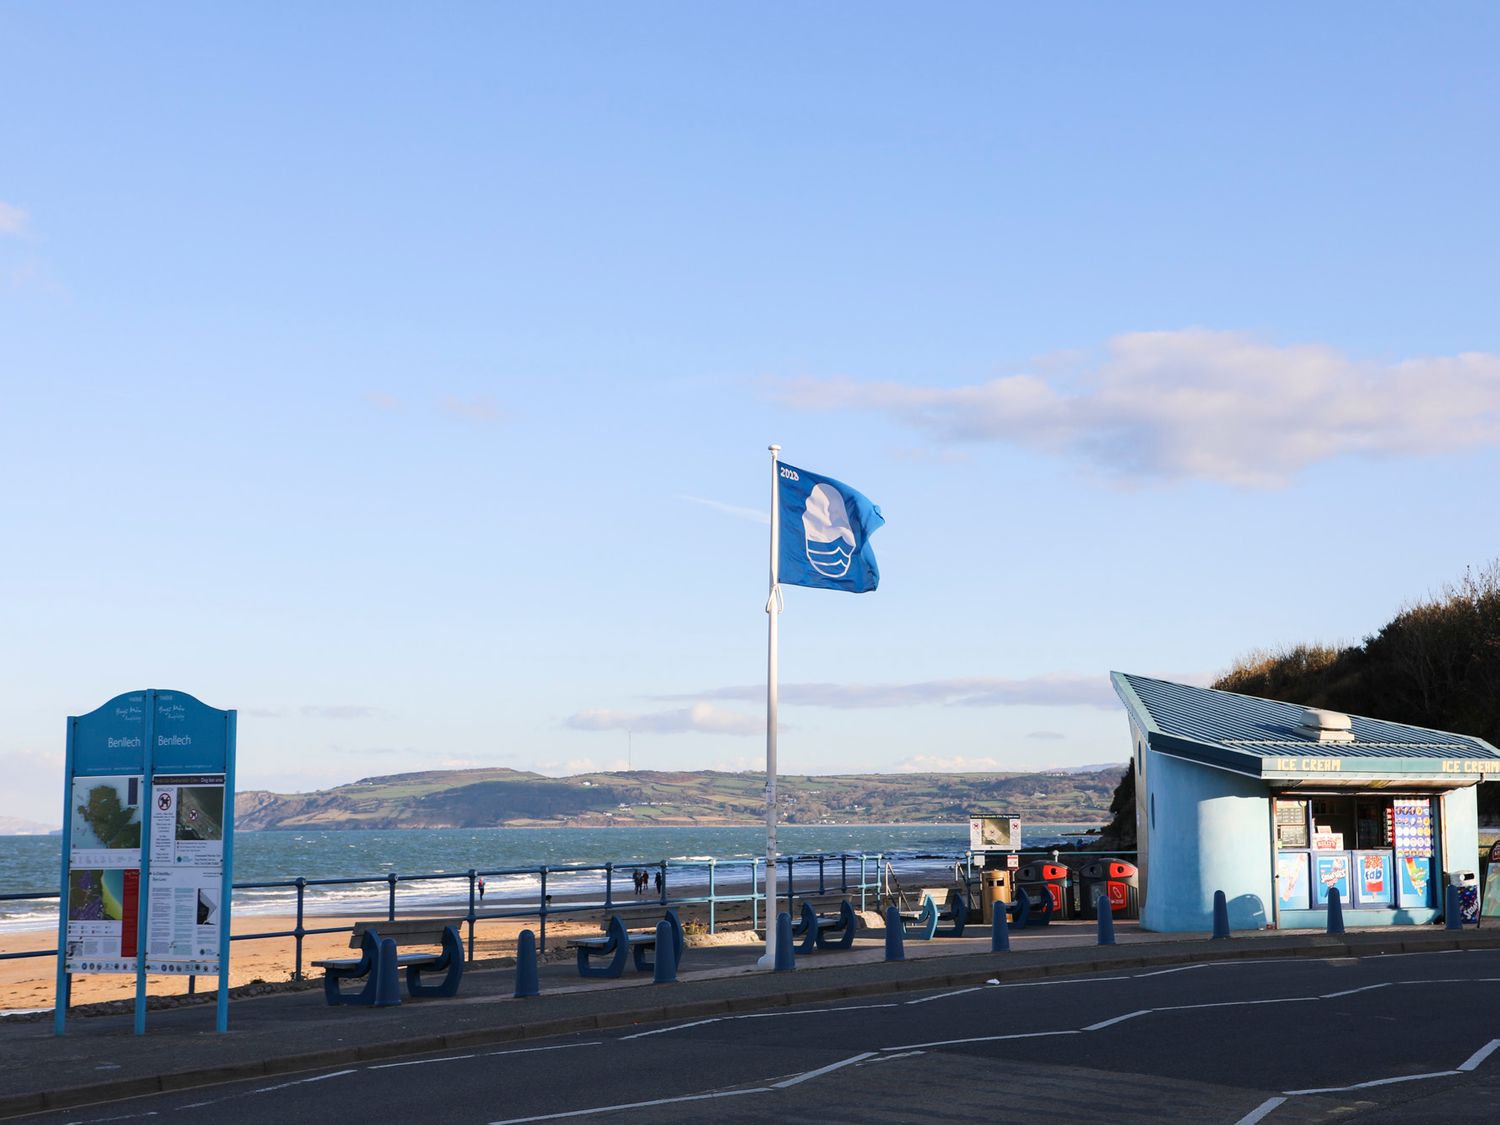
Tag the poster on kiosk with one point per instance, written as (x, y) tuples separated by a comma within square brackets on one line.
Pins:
[(148, 844)]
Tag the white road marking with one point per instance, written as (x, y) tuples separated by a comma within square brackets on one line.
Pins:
[(1352, 991), (1372, 1082), (901, 1055), (777, 1014), (634, 1105), (945, 995), (675, 1027), (1473, 1061), (533, 1050), (1183, 969), (1260, 1111), (1118, 1019), (302, 1081), (976, 1039), (1051, 983), (822, 1070), (1235, 1004), (418, 1062)]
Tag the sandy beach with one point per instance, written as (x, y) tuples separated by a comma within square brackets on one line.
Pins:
[(30, 982)]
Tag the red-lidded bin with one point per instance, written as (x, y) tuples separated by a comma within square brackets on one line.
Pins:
[(1120, 880)]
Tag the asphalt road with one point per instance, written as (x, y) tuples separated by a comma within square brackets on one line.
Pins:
[(1409, 1038)]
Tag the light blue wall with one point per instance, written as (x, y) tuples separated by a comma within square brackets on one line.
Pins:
[(1207, 830)]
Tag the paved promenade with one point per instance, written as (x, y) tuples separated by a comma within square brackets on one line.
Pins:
[(100, 1058)]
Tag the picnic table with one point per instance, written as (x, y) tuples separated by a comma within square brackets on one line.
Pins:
[(367, 937), (617, 944), (825, 931)]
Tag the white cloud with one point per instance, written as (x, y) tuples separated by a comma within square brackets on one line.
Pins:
[(480, 408), (1046, 735), (957, 763), (339, 711), (316, 711), (13, 220), (700, 718), (1201, 404), (1057, 689), (752, 514)]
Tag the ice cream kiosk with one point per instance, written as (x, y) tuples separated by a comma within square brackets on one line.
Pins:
[(1277, 804)]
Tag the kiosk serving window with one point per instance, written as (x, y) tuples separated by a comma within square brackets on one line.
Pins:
[(1378, 850)]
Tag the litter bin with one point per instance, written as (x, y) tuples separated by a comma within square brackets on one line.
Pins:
[(995, 886), (1468, 895), (1121, 881), (1040, 878)]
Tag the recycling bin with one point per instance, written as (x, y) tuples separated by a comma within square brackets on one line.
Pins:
[(1467, 883), (1040, 878), (995, 886), (1119, 880)]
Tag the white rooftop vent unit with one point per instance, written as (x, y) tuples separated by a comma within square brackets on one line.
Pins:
[(1327, 726)]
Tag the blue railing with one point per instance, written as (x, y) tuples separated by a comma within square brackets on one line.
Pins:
[(833, 876)]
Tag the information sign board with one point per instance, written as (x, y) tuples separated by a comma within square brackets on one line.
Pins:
[(148, 839)]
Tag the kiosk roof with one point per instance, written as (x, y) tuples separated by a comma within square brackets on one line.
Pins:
[(1266, 738)]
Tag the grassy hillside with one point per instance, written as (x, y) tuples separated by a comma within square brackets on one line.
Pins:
[(490, 797)]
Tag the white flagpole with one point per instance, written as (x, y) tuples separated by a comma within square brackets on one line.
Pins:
[(773, 610)]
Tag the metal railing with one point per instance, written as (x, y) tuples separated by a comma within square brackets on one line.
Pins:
[(833, 874)]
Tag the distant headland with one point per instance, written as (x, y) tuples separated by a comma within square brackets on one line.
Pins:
[(487, 798)]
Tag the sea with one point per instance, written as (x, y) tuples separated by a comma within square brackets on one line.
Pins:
[(437, 861)]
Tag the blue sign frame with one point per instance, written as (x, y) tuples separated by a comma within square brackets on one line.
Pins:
[(138, 735)]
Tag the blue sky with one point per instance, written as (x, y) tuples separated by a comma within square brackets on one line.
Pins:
[(403, 378)]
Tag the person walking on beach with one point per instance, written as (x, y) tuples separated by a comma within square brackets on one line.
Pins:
[(481, 888), (661, 883)]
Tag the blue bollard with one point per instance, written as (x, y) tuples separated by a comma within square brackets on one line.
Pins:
[(1335, 911), (528, 981), (387, 980), (1106, 914), (1453, 911), (1221, 915), (786, 955), (1023, 908), (666, 954), (999, 931), (895, 935)]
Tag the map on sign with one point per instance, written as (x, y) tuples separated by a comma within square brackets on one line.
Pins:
[(107, 820)]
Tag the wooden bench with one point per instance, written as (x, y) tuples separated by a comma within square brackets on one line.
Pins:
[(825, 931), (616, 943), (367, 937), (920, 925)]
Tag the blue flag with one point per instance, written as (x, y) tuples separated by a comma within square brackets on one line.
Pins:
[(825, 533)]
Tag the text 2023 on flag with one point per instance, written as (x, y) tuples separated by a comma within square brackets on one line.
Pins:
[(825, 533)]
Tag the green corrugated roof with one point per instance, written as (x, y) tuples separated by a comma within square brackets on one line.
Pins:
[(1259, 736)]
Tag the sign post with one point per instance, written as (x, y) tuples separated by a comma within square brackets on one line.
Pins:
[(148, 844)]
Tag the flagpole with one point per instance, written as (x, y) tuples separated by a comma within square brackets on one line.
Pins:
[(773, 610)]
